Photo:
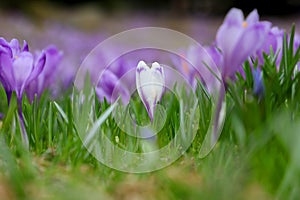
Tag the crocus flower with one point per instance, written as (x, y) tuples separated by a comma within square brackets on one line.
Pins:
[(48, 77), (199, 63), (296, 46), (239, 38), (110, 88), (186, 68), (274, 39), (150, 84), (18, 67), (296, 41), (258, 84)]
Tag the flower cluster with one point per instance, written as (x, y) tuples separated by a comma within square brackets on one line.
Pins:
[(21, 71), (18, 67), (238, 40), (24, 72)]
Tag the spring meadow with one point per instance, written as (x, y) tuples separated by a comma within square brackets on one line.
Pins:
[(150, 112)]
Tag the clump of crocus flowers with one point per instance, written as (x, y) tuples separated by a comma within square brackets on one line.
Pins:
[(19, 68), (238, 39)]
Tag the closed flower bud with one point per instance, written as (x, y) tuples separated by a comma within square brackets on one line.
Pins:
[(150, 82)]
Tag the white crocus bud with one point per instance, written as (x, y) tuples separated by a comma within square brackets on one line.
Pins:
[(150, 82)]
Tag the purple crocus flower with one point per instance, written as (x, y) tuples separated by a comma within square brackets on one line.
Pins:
[(258, 84), (238, 39), (296, 41), (198, 62), (110, 88), (296, 46), (184, 67), (150, 84), (48, 76), (274, 39), (18, 67)]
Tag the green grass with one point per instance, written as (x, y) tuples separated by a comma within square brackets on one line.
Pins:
[(257, 156)]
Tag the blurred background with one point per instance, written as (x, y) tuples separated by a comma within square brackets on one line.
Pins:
[(112, 16), (116, 15), (77, 26), (176, 7)]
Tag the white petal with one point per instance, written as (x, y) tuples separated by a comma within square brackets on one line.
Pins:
[(142, 64), (150, 84)]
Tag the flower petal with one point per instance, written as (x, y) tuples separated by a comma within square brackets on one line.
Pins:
[(53, 59), (227, 39), (4, 47), (253, 17), (22, 68), (158, 79), (111, 88), (234, 17), (38, 67), (250, 41), (15, 47), (6, 72), (25, 46)]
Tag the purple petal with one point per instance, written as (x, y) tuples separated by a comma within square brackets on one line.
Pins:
[(15, 46), (230, 31), (119, 67), (6, 71), (249, 42), (25, 46), (38, 67), (215, 55), (211, 61), (45, 73), (111, 88), (258, 87), (296, 41), (101, 94), (234, 17), (4, 47), (274, 39), (53, 59), (185, 68), (22, 68), (227, 39), (32, 90), (108, 81), (253, 17)]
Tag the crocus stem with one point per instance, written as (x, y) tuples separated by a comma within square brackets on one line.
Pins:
[(8, 95), (23, 130), (150, 111)]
